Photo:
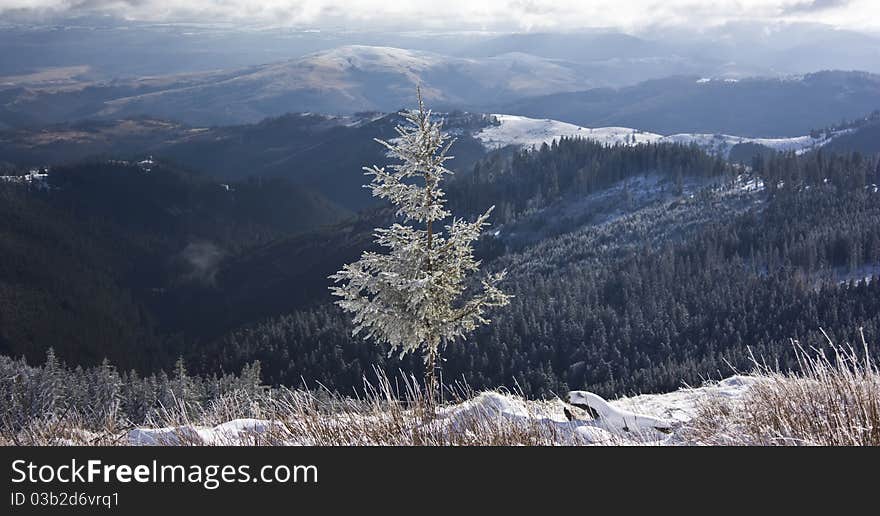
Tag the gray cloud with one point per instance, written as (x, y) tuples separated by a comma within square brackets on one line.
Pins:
[(465, 14), (814, 6)]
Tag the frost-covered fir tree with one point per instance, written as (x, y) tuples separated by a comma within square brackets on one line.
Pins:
[(419, 294)]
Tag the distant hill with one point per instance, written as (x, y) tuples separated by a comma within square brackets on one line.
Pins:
[(757, 107), (861, 135), (322, 153), (530, 132), (325, 154), (89, 139), (342, 80)]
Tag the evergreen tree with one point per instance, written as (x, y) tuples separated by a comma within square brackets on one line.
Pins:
[(417, 294)]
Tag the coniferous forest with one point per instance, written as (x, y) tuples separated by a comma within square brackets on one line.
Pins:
[(679, 291), (633, 269)]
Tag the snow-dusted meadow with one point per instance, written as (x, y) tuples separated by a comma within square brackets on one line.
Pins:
[(652, 419), (531, 132), (833, 400)]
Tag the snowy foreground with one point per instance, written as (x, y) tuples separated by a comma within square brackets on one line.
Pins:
[(586, 419)]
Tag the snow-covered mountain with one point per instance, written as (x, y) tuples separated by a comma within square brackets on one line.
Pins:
[(532, 132)]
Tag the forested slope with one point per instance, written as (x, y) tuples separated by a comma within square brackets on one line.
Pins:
[(675, 290), (633, 268)]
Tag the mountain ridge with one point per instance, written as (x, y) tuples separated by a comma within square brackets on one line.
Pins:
[(752, 107), (354, 78)]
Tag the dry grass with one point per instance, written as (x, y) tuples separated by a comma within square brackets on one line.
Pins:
[(834, 400), (392, 413)]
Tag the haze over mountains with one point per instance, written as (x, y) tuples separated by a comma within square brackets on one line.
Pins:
[(343, 80), (217, 76), (355, 79), (112, 48)]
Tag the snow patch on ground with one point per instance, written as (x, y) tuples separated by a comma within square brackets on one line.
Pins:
[(682, 405), (721, 144), (38, 177), (235, 432), (490, 409), (532, 132), (653, 419), (749, 183)]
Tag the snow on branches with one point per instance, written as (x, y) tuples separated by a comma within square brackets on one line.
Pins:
[(417, 294)]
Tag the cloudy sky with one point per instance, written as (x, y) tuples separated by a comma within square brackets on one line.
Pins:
[(628, 15)]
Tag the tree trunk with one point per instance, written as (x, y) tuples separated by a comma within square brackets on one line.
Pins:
[(431, 376)]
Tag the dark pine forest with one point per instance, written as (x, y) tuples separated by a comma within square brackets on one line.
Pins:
[(634, 269)]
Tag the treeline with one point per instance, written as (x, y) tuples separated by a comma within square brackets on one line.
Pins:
[(103, 397), (788, 171), (872, 117), (572, 167)]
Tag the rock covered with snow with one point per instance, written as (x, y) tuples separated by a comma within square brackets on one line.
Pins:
[(490, 409), (617, 419), (235, 432)]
